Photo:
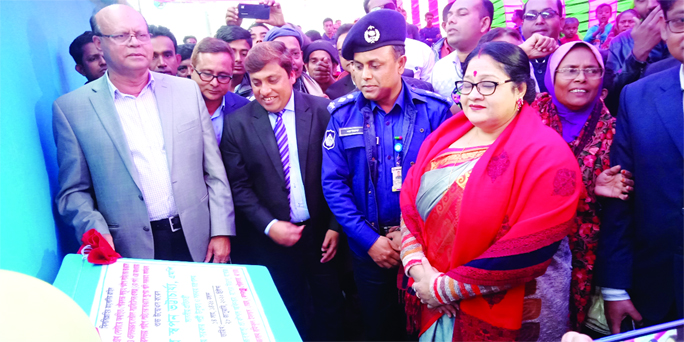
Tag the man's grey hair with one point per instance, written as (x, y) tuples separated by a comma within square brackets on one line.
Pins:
[(399, 50), (94, 26)]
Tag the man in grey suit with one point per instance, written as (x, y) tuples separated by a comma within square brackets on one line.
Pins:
[(138, 159)]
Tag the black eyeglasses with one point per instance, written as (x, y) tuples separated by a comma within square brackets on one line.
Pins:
[(675, 25), (124, 38), (545, 14), (207, 77), (485, 88)]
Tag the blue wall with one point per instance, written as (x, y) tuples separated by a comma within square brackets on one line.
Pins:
[(35, 69)]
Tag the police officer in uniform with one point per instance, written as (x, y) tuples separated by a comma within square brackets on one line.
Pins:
[(371, 141)]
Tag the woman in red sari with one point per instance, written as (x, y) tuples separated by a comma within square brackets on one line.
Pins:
[(486, 210)]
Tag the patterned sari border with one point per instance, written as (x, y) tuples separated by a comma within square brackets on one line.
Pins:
[(452, 158), (529, 243), (477, 276)]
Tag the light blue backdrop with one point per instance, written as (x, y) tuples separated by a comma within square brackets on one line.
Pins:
[(35, 69)]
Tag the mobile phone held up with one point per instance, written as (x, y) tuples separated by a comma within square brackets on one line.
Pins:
[(251, 11)]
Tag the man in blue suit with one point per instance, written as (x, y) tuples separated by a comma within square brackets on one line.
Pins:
[(639, 260), (213, 61)]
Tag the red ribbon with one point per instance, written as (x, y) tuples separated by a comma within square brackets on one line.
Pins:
[(99, 251)]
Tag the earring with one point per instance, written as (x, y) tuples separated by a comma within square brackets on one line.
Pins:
[(518, 105)]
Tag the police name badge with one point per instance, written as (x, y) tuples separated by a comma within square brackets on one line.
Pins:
[(347, 131), (396, 179), (372, 35), (329, 140)]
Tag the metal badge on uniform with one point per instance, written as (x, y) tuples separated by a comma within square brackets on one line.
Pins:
[(372, 35), (347, 131), (396, 179), (329, 141)]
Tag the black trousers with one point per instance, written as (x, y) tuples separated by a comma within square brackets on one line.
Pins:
[(312, 294), (384, 318), (310, 290), (169, 245)]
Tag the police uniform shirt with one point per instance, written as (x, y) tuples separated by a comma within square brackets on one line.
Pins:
[(388, 126)]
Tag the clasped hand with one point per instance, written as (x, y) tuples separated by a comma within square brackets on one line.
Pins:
[(538, 46), (384, 253), (424, 277)]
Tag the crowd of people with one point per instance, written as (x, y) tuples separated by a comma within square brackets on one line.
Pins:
[(491, 184)]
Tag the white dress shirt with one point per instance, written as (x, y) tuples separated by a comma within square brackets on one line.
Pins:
[(420, 59), (445, 74), (298, 208), (142, 127)]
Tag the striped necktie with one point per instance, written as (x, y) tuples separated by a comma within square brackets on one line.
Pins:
[(281, 139)]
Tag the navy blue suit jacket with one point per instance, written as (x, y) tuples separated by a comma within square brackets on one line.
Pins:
[(233, 103), (640, 247)]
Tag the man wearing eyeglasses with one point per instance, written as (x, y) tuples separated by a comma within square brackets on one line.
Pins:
[(639, 259), (212, 60), (138, 159), (544, 17)]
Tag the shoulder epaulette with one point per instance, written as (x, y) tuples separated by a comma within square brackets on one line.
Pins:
[(341, 102), (430, 94)]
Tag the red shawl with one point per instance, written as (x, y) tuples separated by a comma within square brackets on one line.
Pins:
[(522, 195)]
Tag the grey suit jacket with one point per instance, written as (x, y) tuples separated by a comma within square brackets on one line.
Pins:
[(99, 184)]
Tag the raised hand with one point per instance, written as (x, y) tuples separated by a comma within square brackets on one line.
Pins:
[(646, 34), (232, 18), (275, 17), (538, 46)]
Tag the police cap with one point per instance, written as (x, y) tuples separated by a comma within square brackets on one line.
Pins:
[(375, 30)]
